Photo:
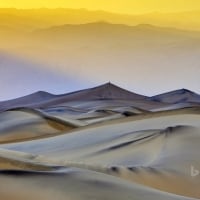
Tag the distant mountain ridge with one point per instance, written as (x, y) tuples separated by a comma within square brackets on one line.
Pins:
[(103, 33), (103, 25), (106, 91), (178, 96), (42, 18), (103, 92)]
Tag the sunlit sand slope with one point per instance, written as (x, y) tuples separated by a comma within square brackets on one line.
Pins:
[(92, 149)]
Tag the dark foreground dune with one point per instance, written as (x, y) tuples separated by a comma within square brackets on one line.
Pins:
[(100, 143)]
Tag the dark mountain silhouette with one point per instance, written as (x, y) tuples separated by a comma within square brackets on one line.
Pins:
[(116, 30), (105, 92), (178, 96), (30, 19)]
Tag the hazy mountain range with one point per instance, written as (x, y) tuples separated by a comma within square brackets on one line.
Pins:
[(137, 57), (30, 19), (106, 93)]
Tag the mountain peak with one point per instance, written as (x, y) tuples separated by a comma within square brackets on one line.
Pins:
[(100, 22), (41, 94), (27, 101), (112, 91), (145, 26), (107, 91), (183, 90), (178, 96), (108, 84)]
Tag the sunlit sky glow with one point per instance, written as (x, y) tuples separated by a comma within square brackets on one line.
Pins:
[(27, 65), (120, 6)]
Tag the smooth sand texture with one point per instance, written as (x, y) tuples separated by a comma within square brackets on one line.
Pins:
[(100, 148)]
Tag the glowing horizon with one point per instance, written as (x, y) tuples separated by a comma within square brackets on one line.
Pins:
[(122, 6), (116, 57)]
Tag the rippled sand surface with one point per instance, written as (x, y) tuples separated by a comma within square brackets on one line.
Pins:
[(100, 143)]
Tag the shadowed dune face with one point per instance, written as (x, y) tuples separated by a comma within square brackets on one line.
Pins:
[(19, 125), (75, 184), (84, 145)]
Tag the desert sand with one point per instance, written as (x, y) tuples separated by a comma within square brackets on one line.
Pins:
[(100, 143)]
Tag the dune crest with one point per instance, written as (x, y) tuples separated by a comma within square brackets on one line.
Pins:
[(100, 139)]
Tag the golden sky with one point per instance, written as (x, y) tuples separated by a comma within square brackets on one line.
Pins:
[(120, 6)]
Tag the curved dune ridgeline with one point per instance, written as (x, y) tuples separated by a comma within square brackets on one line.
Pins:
[(100, 143)]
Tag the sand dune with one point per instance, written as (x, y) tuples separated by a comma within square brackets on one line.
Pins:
[(26, 124), (95, 144), (178, 96), (75, 184)]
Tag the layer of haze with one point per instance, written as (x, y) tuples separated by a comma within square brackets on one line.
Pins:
[(120, 6), (61, 50)]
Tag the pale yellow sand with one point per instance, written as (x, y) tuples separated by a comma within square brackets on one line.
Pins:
[(155, 150)]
